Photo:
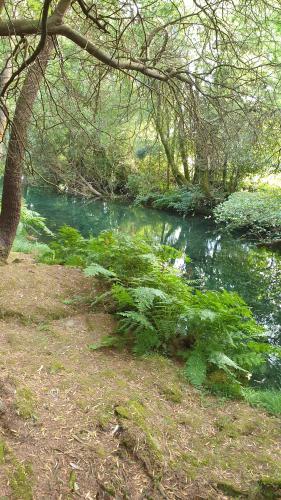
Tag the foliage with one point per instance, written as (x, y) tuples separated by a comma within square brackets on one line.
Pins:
[(270, 400), (32, 222), (23, 245), (257, 212), (32, 225), (135, 136), (158, 311), (182, 201)]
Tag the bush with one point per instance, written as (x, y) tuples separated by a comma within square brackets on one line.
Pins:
[(258, 213), (182, 201), (158, 311)]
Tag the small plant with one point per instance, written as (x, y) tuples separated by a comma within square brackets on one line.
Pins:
[(25, 403), (21, 481)]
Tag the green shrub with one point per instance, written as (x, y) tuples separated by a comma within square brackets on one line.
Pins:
[(257, 212), (158, 311), (182, 201)]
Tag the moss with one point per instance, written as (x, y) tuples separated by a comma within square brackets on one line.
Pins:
[(123, 412), (136, 412), (25, 403), (270, 488), (105, 416), (101, 452), (231, 490), (21, 482), (109, 489), (171, 393), (234, 428)]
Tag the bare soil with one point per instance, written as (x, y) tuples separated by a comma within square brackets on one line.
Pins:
[(76, 423)]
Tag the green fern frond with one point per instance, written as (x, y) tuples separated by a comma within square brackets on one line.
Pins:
[(145, 296), (195, 369), (97, 270), (135, 318)]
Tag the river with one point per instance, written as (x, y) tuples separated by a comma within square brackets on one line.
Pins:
[(219, 260)]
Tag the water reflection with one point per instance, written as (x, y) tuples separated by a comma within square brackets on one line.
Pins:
[(218, 259)]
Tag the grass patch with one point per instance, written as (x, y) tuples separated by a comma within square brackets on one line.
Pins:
[(25, 403), (21, 482), (56, 367), (3, 451), (270, 400), (171, 393), (23, 245)]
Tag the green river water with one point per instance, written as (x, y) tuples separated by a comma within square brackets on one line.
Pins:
[(219, 260)]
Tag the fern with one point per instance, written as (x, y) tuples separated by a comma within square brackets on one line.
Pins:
[(223, 362), (158, 311), (97, 270), (33, 222), (122, 296), (196, 369), (145, 297), (106, 341), (134, 319)]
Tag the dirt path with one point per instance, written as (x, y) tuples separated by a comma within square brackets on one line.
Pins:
[(88, 424)]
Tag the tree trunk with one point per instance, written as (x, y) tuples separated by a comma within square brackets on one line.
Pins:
[(224, 174), (178, 176), (11, 196), (4, 77), (202, 167), (183, 150)]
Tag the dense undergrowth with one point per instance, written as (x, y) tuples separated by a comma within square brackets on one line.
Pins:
[(255, 213), (213, 333), (182, 201)]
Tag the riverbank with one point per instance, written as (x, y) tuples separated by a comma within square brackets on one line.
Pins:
[(104, 424)]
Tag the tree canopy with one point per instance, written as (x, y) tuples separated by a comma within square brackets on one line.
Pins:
[(136, 96)]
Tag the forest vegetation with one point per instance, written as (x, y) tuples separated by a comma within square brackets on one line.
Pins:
[(169, 105)]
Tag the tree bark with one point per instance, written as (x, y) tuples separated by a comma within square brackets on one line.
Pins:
[(4, 77), (178, 176), (11, 196), (183, 150)]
